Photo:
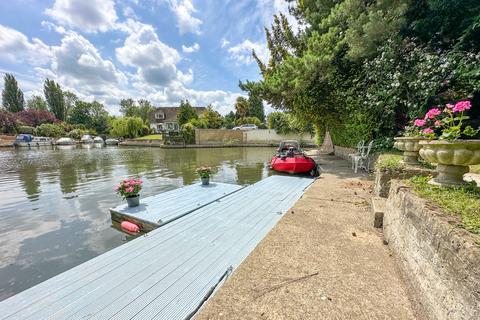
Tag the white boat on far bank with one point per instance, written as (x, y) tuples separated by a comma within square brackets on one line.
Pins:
[(27, 140), (86, 138), (65, 141), (98, 140), (111, 142)]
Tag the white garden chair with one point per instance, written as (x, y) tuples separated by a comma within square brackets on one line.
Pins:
[(360, 147), (363, 160)]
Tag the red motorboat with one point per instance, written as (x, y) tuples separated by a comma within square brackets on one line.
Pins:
[(290, 158)]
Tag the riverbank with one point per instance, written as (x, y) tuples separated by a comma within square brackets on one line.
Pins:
[(323, 260), (160, 144)]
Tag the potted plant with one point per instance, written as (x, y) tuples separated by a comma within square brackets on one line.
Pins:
[(204, 173), (410, 142), (130, 189), (454, 151)]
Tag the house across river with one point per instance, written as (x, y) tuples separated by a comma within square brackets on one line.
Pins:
[(165, 118)]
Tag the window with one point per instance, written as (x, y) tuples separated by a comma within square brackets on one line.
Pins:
[(160, 115), (160, 127)]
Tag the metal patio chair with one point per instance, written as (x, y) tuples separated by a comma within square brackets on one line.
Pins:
[(363, 160)]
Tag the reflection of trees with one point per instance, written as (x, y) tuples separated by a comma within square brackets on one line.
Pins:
[(29, 178), (250, 173)]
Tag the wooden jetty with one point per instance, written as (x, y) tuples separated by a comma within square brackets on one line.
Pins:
[(163, 208), (169, 272)]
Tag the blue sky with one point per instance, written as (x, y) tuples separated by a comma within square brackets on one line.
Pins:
[(161, 50)]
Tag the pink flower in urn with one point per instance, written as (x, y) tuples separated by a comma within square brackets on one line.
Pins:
[(419, 122), (450, 106), (462, 106), (432, 113), (427, 131), (437, 123), (129, 189)]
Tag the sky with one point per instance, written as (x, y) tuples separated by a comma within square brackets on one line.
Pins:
[(161, 50)]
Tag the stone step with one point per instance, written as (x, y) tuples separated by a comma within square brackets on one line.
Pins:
[(378, 208)]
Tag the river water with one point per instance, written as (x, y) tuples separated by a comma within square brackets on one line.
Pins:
[(54, 201)]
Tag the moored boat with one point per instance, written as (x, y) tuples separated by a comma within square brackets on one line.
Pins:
[(111, 142), (65, 141), (86, 138), (98, 140), (291, 159), (27, 140)]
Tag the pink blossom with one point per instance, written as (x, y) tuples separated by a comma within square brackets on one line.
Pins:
[(117, 187), (437, 123), (419, 122), (427, 131), (462, 106), (450, 106), (129, 189), (432, 113)]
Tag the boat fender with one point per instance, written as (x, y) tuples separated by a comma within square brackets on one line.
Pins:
[(130, 227)]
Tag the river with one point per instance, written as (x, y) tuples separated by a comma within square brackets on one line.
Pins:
[(54, 201)]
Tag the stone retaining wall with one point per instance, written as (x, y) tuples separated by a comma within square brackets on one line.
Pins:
[(261, 136), (441, 260), (384, 176), (343, 152)]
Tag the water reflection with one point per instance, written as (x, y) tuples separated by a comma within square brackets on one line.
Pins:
[(54, 201)]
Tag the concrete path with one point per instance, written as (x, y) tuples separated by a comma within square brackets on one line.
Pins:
[(323, 260)]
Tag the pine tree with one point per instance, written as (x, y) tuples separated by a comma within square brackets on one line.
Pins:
[(12, 96), (186, 113)]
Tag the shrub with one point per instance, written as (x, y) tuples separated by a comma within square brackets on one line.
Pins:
[(50, 130), (146, 130), (279, 122), (26, 129), (8, 122), (188, 133), (248, 120), (127, 127), (76, 134), (34, 118)]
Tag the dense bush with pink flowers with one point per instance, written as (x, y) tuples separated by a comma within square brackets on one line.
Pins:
[(446, 123), (128, 188), (34, 118)]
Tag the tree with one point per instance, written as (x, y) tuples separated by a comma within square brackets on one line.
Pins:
[(241, 107), (186, 113), (12, 96), (213, 119), (70, 99), (255, 107), (34, 118), (90, 114), (128, 107), (229, 120), (145, 108), (127, 127), (37, 103), (55, 99)]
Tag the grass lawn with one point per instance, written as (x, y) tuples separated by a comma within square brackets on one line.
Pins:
[(389, 161), (151, 137), (459, 201)]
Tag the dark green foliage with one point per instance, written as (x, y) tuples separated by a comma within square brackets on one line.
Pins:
[(186, 113), (26, 129), (229, 120), (212, 118), (142, 109), (92, 115), (50, 130), (37, 103), (188, 133), (55, 99), (363, 69), (12, 96)]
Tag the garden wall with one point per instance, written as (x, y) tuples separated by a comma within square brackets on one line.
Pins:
[(261, 136), (383, 177), (343, 152), (441, 260)]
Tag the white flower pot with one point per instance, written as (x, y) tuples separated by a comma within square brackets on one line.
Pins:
[(453, 159)]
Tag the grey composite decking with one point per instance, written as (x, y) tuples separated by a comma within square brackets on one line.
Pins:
[(167, 273), (165, 207)]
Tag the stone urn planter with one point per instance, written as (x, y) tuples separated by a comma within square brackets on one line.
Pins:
[(410, 147), (452, 158)]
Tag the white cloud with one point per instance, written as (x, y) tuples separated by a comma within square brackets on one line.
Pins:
[(186, 22), (194, 48), (225, 43), (242, 52), (16, 47), (154, 61), (87, 16)]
